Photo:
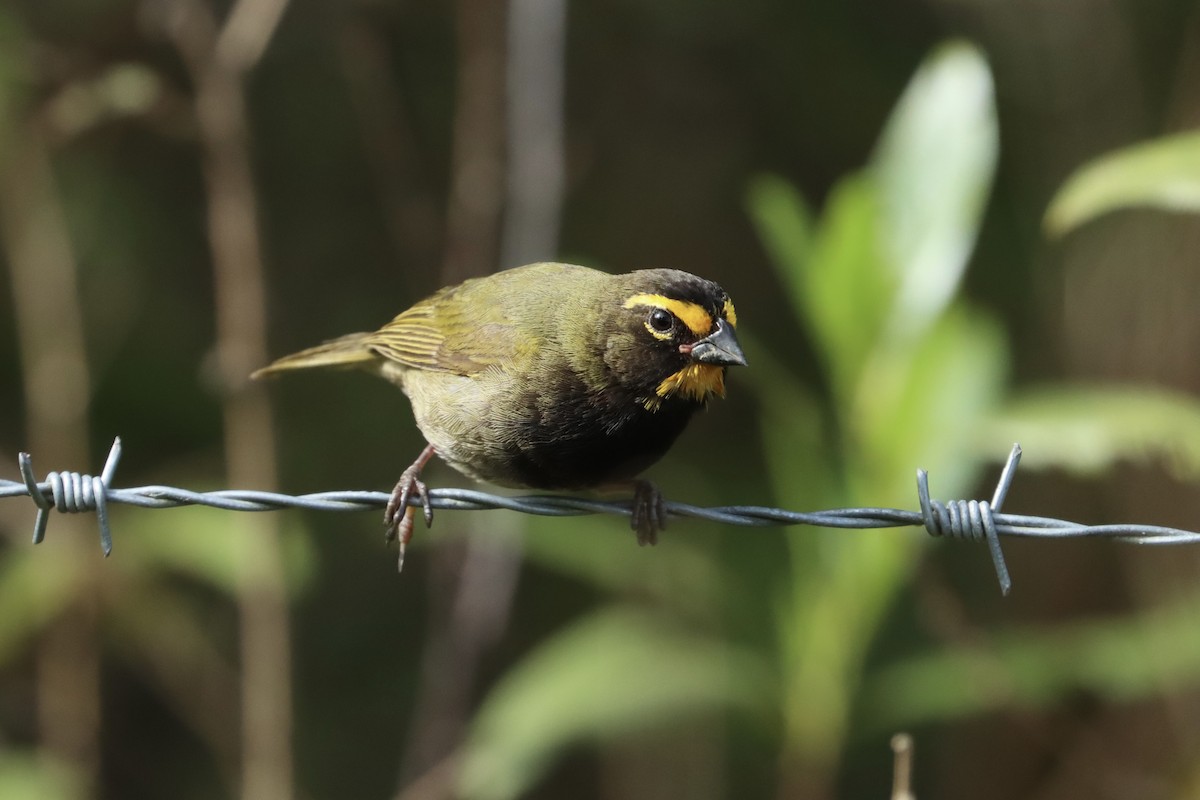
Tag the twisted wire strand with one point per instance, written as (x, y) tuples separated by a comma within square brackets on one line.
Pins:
[(974, 520)]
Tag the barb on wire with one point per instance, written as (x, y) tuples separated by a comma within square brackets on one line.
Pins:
[(974, 520)]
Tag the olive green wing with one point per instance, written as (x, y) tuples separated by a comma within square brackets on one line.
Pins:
[(449, 332)]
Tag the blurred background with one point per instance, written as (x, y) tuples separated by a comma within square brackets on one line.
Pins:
[(948, 225)]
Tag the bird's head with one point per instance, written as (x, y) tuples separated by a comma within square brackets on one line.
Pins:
[(675, 336)]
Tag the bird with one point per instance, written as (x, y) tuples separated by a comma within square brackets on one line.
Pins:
[(548, 376)]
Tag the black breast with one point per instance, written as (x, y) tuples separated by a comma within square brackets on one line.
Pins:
[(585, 439)]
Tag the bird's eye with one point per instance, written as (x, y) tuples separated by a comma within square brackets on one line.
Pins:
[(661, 320)]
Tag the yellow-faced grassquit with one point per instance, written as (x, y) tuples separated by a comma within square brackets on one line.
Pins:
[(548, 376)]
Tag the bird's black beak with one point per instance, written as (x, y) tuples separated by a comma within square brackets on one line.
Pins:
[(720, 347)]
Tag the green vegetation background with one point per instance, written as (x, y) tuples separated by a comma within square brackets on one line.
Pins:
[(947, 226)]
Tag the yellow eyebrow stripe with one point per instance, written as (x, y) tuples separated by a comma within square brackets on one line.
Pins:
[(699, 321), (730, 314)]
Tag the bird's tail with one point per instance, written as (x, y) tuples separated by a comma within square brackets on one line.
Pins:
[(344, 351)]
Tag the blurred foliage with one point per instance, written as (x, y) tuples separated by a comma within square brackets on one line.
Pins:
[(873, 290), (897, 313), (1118, 659), (874, 281), (1090, 429), (607, 675), (1162, 174), (25, 776)]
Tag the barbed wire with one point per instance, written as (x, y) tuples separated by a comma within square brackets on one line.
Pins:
[(973, 520)]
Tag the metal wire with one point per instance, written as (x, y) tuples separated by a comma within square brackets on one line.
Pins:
[(72, 492)]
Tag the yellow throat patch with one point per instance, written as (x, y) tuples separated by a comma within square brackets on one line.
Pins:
[(695, 382)]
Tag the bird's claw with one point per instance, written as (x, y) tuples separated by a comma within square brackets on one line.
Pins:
[(408, 485), (648, 514), (398, 517)]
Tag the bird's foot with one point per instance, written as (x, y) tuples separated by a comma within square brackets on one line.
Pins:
[(398, 517), (649, 513)]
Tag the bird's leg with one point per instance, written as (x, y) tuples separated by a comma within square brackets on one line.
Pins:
[(649, 514), (398, 516)]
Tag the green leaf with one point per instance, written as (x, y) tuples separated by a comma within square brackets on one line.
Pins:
[(913, 410), (840, 595), (910, 373), (835, 277), (919, 403), (126, 89), (796, 441), (785, 224), (849, 288), (933, 167), (1162, 173), (210, 544), (41, 776), (35, 585), (600, 550), (1119, 659), (1088, 429), (616, 672)]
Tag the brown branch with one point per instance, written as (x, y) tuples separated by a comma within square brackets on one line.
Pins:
[(536, 136), (477, 162), (470, 577), (902, 749), (217, 62), (390, 146), (473, 586), (49, 322), (246, 33)]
